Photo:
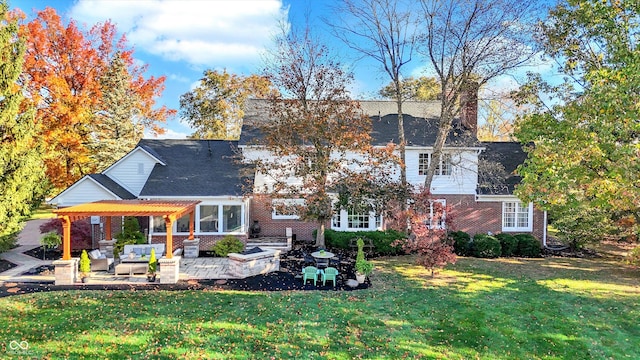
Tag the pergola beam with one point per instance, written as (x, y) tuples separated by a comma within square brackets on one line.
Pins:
[(169, 210)]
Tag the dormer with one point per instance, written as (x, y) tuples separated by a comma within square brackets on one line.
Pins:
[(133, 170)]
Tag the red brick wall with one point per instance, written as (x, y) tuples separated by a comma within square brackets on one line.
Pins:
[(468, 216), (261, 210)]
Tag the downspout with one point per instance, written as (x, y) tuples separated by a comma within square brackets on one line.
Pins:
[(544, 231)]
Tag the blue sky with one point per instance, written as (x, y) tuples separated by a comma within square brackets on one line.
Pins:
[(180, 39)]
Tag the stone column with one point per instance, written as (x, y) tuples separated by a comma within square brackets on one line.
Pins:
[(169, 270), (191, 248), (106, 247), (66, 271)]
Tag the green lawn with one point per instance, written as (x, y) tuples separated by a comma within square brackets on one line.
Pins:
[(487, 309)]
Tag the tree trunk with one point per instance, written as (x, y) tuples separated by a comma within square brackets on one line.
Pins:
[(443, 131), (320, 235)]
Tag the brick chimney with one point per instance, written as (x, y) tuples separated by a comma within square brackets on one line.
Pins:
[(469, 107)]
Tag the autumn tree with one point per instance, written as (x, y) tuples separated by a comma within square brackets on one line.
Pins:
[(422, 88), (498, 120), (583, 158), (215, 108), (21, 173), (316, 133), (385, 31), (64, 68), (467, 44)]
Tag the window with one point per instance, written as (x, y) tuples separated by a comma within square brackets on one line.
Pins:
[(159, 225), (517, 216), (335, 221), (231, 218), (437, 214), (443, 167), (357, 220), (285, 208), (423, 164), (182, 224), (208, 218)]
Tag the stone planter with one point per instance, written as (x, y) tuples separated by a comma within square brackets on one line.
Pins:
[(191, 248), (242, 266)]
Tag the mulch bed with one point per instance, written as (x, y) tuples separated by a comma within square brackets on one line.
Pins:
[(287, 279), (6, 265)]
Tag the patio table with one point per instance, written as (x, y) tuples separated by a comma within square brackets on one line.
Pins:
[(322, 258)]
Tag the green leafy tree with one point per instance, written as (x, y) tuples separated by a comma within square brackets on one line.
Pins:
[(422, 88), (584, 161), (130, 234), (115, 132), (215, 108), (21, 167)]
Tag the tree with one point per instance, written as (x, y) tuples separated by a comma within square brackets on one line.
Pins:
[(21, 175), (418, 89), (317, 133), (429, 221), (468, 44), (383, 30), (215, 108), (583, 157), (114, 133), (63, 72), (498, 125)]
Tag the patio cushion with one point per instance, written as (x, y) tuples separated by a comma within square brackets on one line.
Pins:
[(94, 254), (177, 252)]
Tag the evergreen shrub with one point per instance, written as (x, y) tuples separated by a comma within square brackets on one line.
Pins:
[(528, 245), (508, 243), (486, 246)]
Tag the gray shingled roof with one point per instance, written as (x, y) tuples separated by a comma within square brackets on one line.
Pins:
[(418, 132), (112, 186), (507, 155), (195, 168)]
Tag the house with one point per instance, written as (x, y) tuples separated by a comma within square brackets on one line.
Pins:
[(480, 197), (474, 179)]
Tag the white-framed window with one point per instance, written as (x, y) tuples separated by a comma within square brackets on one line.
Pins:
[(349, 220), (209, 219), (443, 167), (437, 214), (517, 216), (285, 208)]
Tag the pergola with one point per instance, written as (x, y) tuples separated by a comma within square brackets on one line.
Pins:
[(169, 210)]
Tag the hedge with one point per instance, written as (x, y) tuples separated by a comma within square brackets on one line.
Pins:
[(382, 240), (528, 245), (508, 243), (486, 246), (461, 242)]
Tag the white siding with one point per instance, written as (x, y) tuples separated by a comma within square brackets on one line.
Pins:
[(132, 171), (84, 191), (463, 179)]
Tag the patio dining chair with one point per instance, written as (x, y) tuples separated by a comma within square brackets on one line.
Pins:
[(329, 274), (308, 273)]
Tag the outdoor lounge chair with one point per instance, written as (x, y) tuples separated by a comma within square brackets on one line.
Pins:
[(329, 274), (310, 272)]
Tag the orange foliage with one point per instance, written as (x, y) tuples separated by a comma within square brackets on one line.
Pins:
[(62, 70)]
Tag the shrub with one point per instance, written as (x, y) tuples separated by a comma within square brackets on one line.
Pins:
[(461, 242), (633, 258), (363, 266), (528, 246), (80, 232), (383, 241), (228, 244), (486, 246), (508, 243), (153, 262), (130, 234), (85, 263)]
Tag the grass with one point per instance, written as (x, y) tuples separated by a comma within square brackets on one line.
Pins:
[(43, 212), (486, 309)]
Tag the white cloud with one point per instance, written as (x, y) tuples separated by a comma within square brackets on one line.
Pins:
[(210, 33), (168, 134)]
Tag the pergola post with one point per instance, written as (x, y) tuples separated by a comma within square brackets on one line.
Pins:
[(66, 237), (191, 224), (107, 230), (168, 221)]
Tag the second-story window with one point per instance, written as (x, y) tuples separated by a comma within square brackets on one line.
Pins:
[(443, 167)]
